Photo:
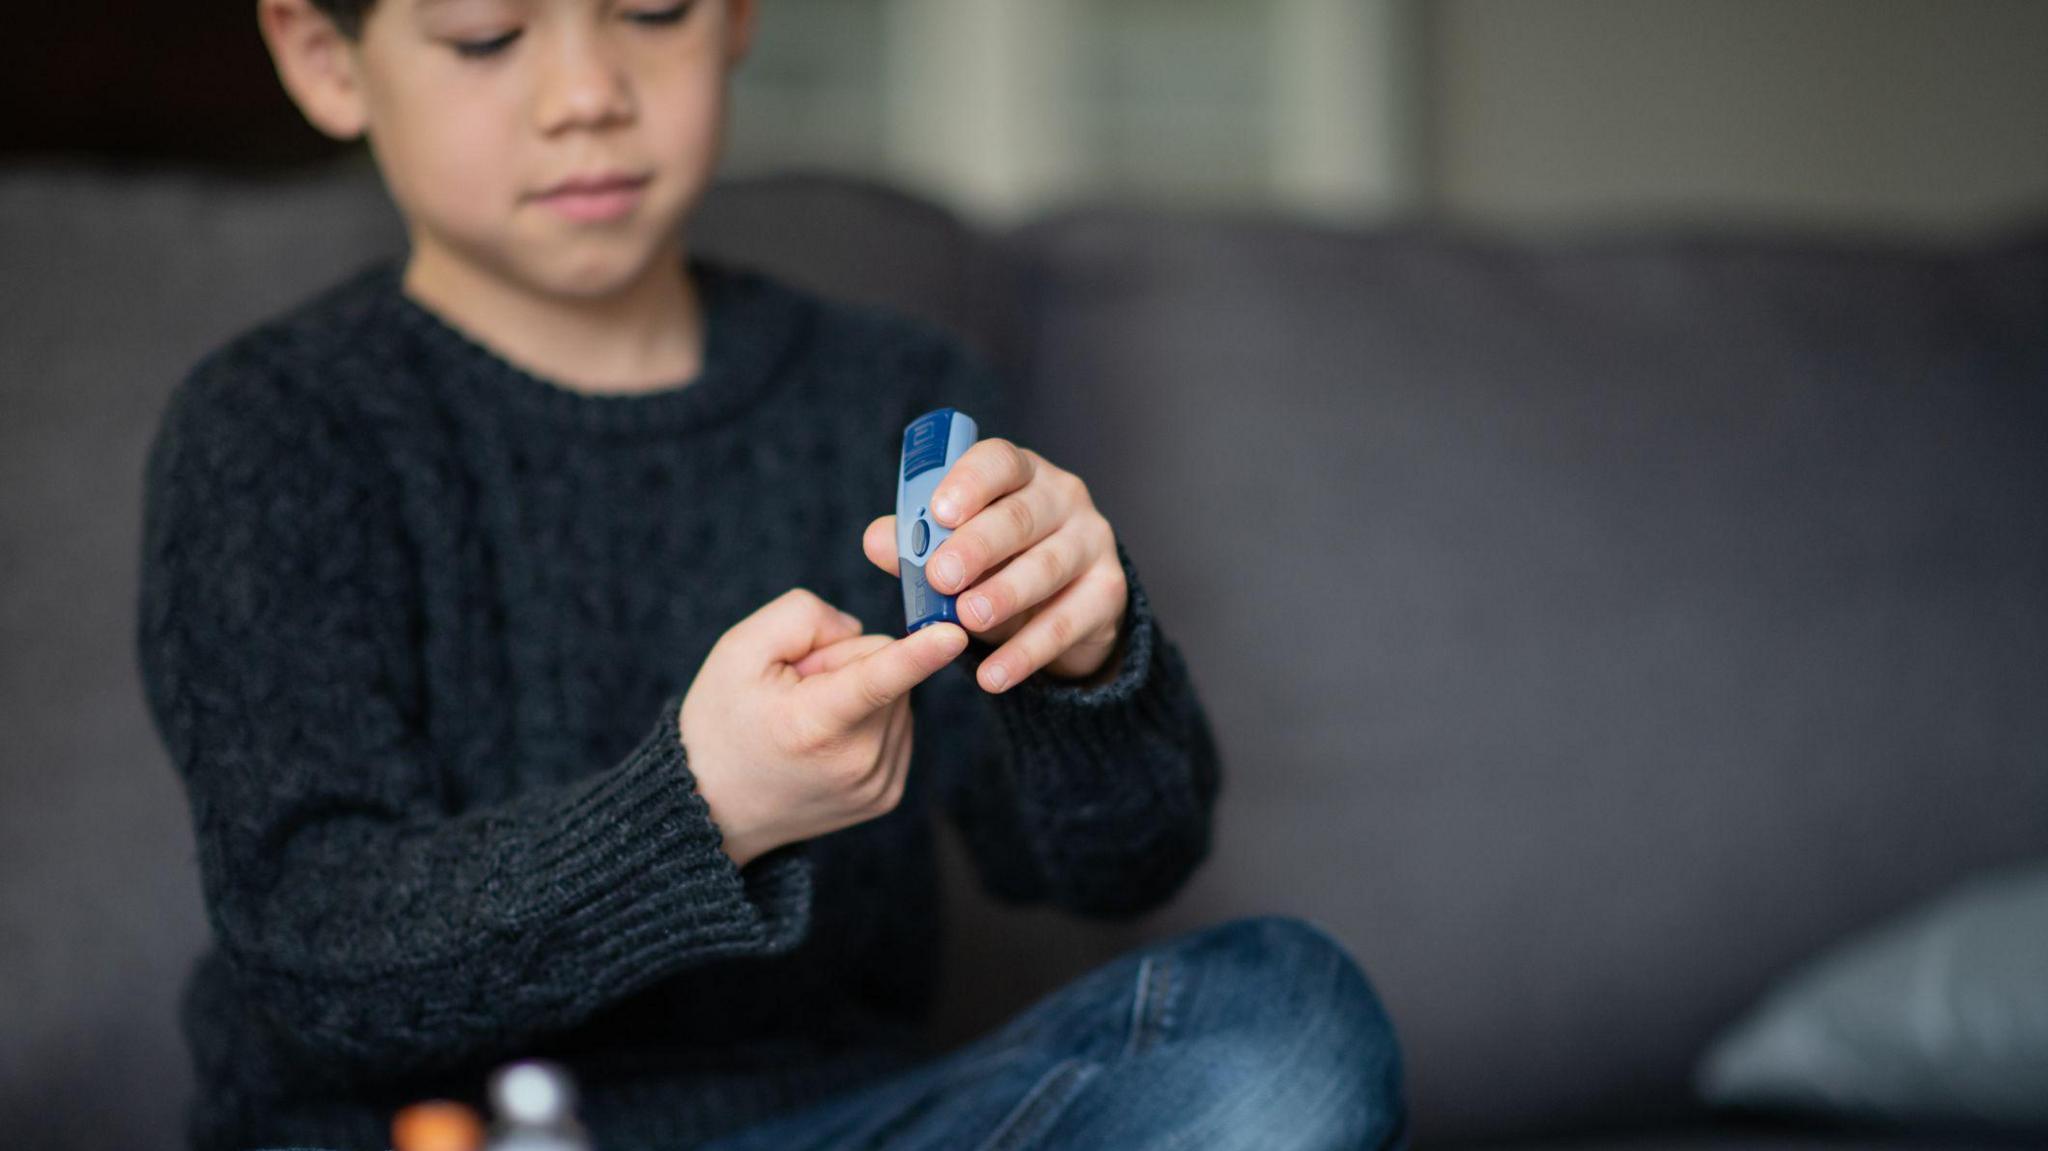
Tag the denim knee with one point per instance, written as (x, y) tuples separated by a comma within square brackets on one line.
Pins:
[(1322, 1064)]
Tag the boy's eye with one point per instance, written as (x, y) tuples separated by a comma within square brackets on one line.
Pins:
[(672, 15), (479, 48)]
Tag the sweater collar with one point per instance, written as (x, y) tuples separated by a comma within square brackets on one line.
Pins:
[(748, 325)]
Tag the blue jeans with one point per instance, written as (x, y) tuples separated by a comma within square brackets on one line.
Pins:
[(1258, 1032)]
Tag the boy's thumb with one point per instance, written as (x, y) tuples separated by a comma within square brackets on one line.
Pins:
[(793, 624)]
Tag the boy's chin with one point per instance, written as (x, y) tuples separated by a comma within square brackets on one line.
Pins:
[(586, 275)]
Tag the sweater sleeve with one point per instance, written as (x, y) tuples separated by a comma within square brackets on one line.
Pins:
[(363, 910), (1097, 797)]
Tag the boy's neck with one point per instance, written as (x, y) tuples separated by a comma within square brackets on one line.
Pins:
[(648, 335)]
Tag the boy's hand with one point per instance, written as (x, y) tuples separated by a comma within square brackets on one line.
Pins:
[(1033, 563), (782, 754)]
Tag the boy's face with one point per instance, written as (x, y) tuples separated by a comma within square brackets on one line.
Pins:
[(479, 110)]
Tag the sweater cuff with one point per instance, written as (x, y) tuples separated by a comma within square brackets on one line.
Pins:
[(634, 878)]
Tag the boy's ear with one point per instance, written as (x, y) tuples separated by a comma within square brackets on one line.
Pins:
[(317, 65), (739, 18)]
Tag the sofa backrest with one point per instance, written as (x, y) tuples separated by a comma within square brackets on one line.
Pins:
[(111, 287), (1593, 631), (1590, 633)]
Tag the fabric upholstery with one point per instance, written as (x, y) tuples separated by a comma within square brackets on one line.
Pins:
[(1592, 631)]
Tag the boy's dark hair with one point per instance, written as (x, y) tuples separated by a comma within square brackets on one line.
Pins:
[(346, 14)]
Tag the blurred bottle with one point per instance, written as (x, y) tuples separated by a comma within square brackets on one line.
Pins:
[(437, 1125), (533, 1105)]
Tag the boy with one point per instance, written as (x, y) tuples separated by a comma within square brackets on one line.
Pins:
[(492, 618)]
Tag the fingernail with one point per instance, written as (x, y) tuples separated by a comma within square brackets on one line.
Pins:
[(850, 619), (997, 677), (949, 570), (979, 606), (943, 509)]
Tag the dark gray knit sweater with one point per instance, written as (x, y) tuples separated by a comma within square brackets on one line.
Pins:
[(415, 627)]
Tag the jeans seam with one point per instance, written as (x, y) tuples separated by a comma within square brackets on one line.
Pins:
[(920, 1104), (1046, 1099), (1151, 1004)]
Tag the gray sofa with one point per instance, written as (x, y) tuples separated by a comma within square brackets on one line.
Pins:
[(1593, 631)]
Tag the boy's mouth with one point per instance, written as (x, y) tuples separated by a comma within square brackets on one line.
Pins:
[(595, 198)]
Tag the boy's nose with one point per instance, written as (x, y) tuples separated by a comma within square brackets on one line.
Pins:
[(581, 86)]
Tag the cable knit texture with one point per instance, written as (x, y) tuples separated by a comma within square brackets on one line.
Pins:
[(415, 628)]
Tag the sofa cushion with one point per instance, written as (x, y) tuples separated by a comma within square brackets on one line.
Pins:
[(1591, 630), (1754, 1138)]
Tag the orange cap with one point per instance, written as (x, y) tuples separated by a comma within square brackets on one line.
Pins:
[(437, 1125)]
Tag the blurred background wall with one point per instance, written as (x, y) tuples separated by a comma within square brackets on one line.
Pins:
[(1869, 113), (1515, 114)]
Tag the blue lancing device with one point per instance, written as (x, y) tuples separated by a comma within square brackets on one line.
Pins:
[(931, 443)]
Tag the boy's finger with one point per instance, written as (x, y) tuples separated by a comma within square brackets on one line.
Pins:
[(990, 469), (794, 624), (999, 532), (834, 656), (876, 680), (879, 542)]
